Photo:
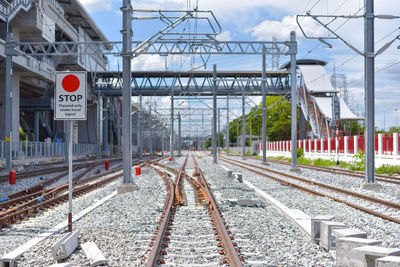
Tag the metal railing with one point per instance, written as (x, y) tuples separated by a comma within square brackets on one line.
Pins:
[(21, 150)]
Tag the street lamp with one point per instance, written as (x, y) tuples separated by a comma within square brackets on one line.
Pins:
[(396, 109)]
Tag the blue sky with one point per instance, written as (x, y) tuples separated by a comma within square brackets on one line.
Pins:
[(265, 19)]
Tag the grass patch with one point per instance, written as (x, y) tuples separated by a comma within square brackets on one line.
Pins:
[(388, 169), (199, 157)]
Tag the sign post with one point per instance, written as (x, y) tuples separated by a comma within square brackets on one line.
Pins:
[(70, 104)]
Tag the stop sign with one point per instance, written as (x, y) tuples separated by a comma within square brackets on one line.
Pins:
[(70, 96)]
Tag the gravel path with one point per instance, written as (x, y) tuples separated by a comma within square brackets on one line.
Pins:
[(377, 228), (121, 227), (389, 192), (264, 236)]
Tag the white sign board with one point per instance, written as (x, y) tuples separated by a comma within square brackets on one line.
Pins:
[(70, 96)]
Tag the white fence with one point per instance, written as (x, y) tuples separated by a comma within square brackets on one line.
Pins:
[(387, 150), (22, 150)]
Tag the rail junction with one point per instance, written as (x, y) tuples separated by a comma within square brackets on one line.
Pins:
[(137, 184)]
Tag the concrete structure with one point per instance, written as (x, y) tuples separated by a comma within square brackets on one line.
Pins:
[(349, 232), (316, 226), (345, 246), (64, 247), (31, 102), (365, 256), (326, 228), (93, 253), (389, 261)]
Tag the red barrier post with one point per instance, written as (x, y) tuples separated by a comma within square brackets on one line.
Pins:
[(138, 170), (106, 165), (170, 159), (13, 177)]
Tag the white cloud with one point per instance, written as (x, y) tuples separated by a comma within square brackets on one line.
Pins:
[(224, 36), (148, 62), (268, 29), (96, 5)]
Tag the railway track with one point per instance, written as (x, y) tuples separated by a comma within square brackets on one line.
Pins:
[(49, 170), (356, 174), (192, 229), (22, 207), (375, 206)]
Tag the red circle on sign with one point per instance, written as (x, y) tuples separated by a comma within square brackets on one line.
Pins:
[(70, 83)]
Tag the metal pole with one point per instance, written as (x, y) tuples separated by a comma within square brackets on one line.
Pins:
[(119, 131), (219, 132), (151, 132), (294, 99), (214, 125), (105, 125), (8, 104), (227, 126), (369, 61), (243, 126), (172, 144), (140, 129), (36, 138), (99, 107), (70, 137), (127, 91), (264, 109), (67, 133), (179, 133), (162, 141)]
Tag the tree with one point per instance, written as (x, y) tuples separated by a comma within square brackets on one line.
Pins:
[(278, 121)]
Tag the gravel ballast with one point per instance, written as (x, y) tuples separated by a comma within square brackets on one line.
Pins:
[(377, 228), (121, 227)]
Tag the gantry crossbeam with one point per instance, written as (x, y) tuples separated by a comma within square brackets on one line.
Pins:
[(160, 83), (163, 48)]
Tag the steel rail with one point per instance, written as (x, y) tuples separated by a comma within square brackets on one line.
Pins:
[(333, 188), (383, 178), (37, 191), (56, 196), (207, 199), (162, 232), (231, 250), (29, 174), (314, 192)]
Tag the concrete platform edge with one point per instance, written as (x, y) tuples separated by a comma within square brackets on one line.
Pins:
[(302, 222)]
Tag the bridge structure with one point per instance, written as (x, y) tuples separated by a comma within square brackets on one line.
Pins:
[(112, 84)]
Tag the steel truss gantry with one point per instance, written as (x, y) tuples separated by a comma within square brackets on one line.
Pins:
[(129, 49), (161, 47), (188, 83)]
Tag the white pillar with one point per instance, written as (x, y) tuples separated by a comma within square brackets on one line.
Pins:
[(309, 146), (355, 144), (396, 144), (329, 146), (315, 145), (322, 146), (380, 145), (346, 146), (304, 145)]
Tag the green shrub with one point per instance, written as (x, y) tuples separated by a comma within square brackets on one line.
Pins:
[(358, 163), (324, 163), (303, 160), (300, 152)]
